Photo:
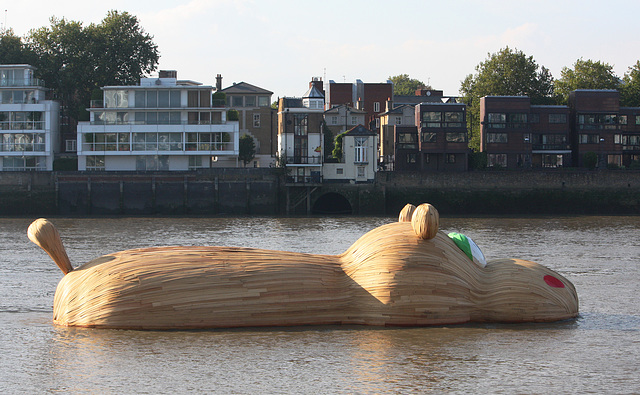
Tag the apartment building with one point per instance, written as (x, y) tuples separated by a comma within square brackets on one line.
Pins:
[(442, 133), (516, 134), (29, 124), (401, 115), (256, 118), (161, 124)]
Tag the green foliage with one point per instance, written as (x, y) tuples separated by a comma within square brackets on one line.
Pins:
[(74, 60), (329, 143), (247, 149), (337, 150), (219, 99), (505, 73), (586, 74), (477, 160), (635, 165), (405, 86), (630, 87), (232, 115), (13, 50), (590, 160)]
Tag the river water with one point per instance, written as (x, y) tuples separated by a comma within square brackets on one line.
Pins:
[(599, 352)]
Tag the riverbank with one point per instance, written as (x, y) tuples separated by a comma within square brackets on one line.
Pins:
[(265, 192)]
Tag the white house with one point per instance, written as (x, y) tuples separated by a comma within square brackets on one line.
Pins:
[(162, 124), (29, 124), (359, 158)]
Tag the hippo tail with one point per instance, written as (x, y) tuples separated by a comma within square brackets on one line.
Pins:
[(46, 236)]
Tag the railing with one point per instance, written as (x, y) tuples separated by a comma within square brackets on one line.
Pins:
[(22, 125), (21, 82), (215, 103), (158, 146), (215, 122), (295, 179), (304, 160), (22, 147), (631, 147), (551, 147)]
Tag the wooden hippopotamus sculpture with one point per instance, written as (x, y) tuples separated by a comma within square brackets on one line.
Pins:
[(405, 273)]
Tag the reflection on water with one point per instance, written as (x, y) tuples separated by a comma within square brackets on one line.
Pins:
[(595, 353)]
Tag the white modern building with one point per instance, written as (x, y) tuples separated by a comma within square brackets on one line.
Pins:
[(29, 124), (162, 124)]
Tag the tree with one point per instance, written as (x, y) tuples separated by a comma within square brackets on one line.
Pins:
[(586, 74), (505, 73), (247, 149), (13, 50), (74, 60), (630, 87), (405, 86)]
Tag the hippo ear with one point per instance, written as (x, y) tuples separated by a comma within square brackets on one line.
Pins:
[(406, 213), (425, 221)]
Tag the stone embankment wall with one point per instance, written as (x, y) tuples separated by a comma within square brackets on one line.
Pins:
[(263, 192), (511, 192)]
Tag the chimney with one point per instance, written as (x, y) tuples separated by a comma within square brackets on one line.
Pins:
[(219, 82), (389, 104), (359, 104)]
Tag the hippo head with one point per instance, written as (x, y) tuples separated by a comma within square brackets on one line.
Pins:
[(411, 266)]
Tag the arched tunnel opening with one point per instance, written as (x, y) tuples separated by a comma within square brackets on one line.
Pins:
[(332, 203)]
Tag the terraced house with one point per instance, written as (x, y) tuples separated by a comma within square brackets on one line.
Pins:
[(29, 124), (162, 124)]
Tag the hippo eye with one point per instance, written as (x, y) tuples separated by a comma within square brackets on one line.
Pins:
[(553, 282)]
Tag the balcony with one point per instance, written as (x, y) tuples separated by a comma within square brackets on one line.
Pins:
[(304, 160), (21, 82), (550, 147)]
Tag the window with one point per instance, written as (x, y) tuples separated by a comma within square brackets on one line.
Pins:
[(588, 138), (95, 162), (451, 158), (334, 120), (426, 158), (534, 118), (219, 141), (361, 171), (456, 137), (263, 101), (454, 119), (622, 119), (497, 138), (398, 120), (637, 119), (497, 118), (116, 98), (517, 118), (250, 101), (256, 120), (354, 120), (407, 140), (614, 160), (557, 118), (195, 162), (496, 160), (339, 170), (152, 162), (376, 106), (411, 158), (71, 145), (617, 139), (429, 137), (361, 149), (431, 119), (300, 122)]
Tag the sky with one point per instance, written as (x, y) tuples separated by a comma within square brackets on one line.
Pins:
[(279, 45)]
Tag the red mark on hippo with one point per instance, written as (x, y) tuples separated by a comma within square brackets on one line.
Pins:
[(553, 282)]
